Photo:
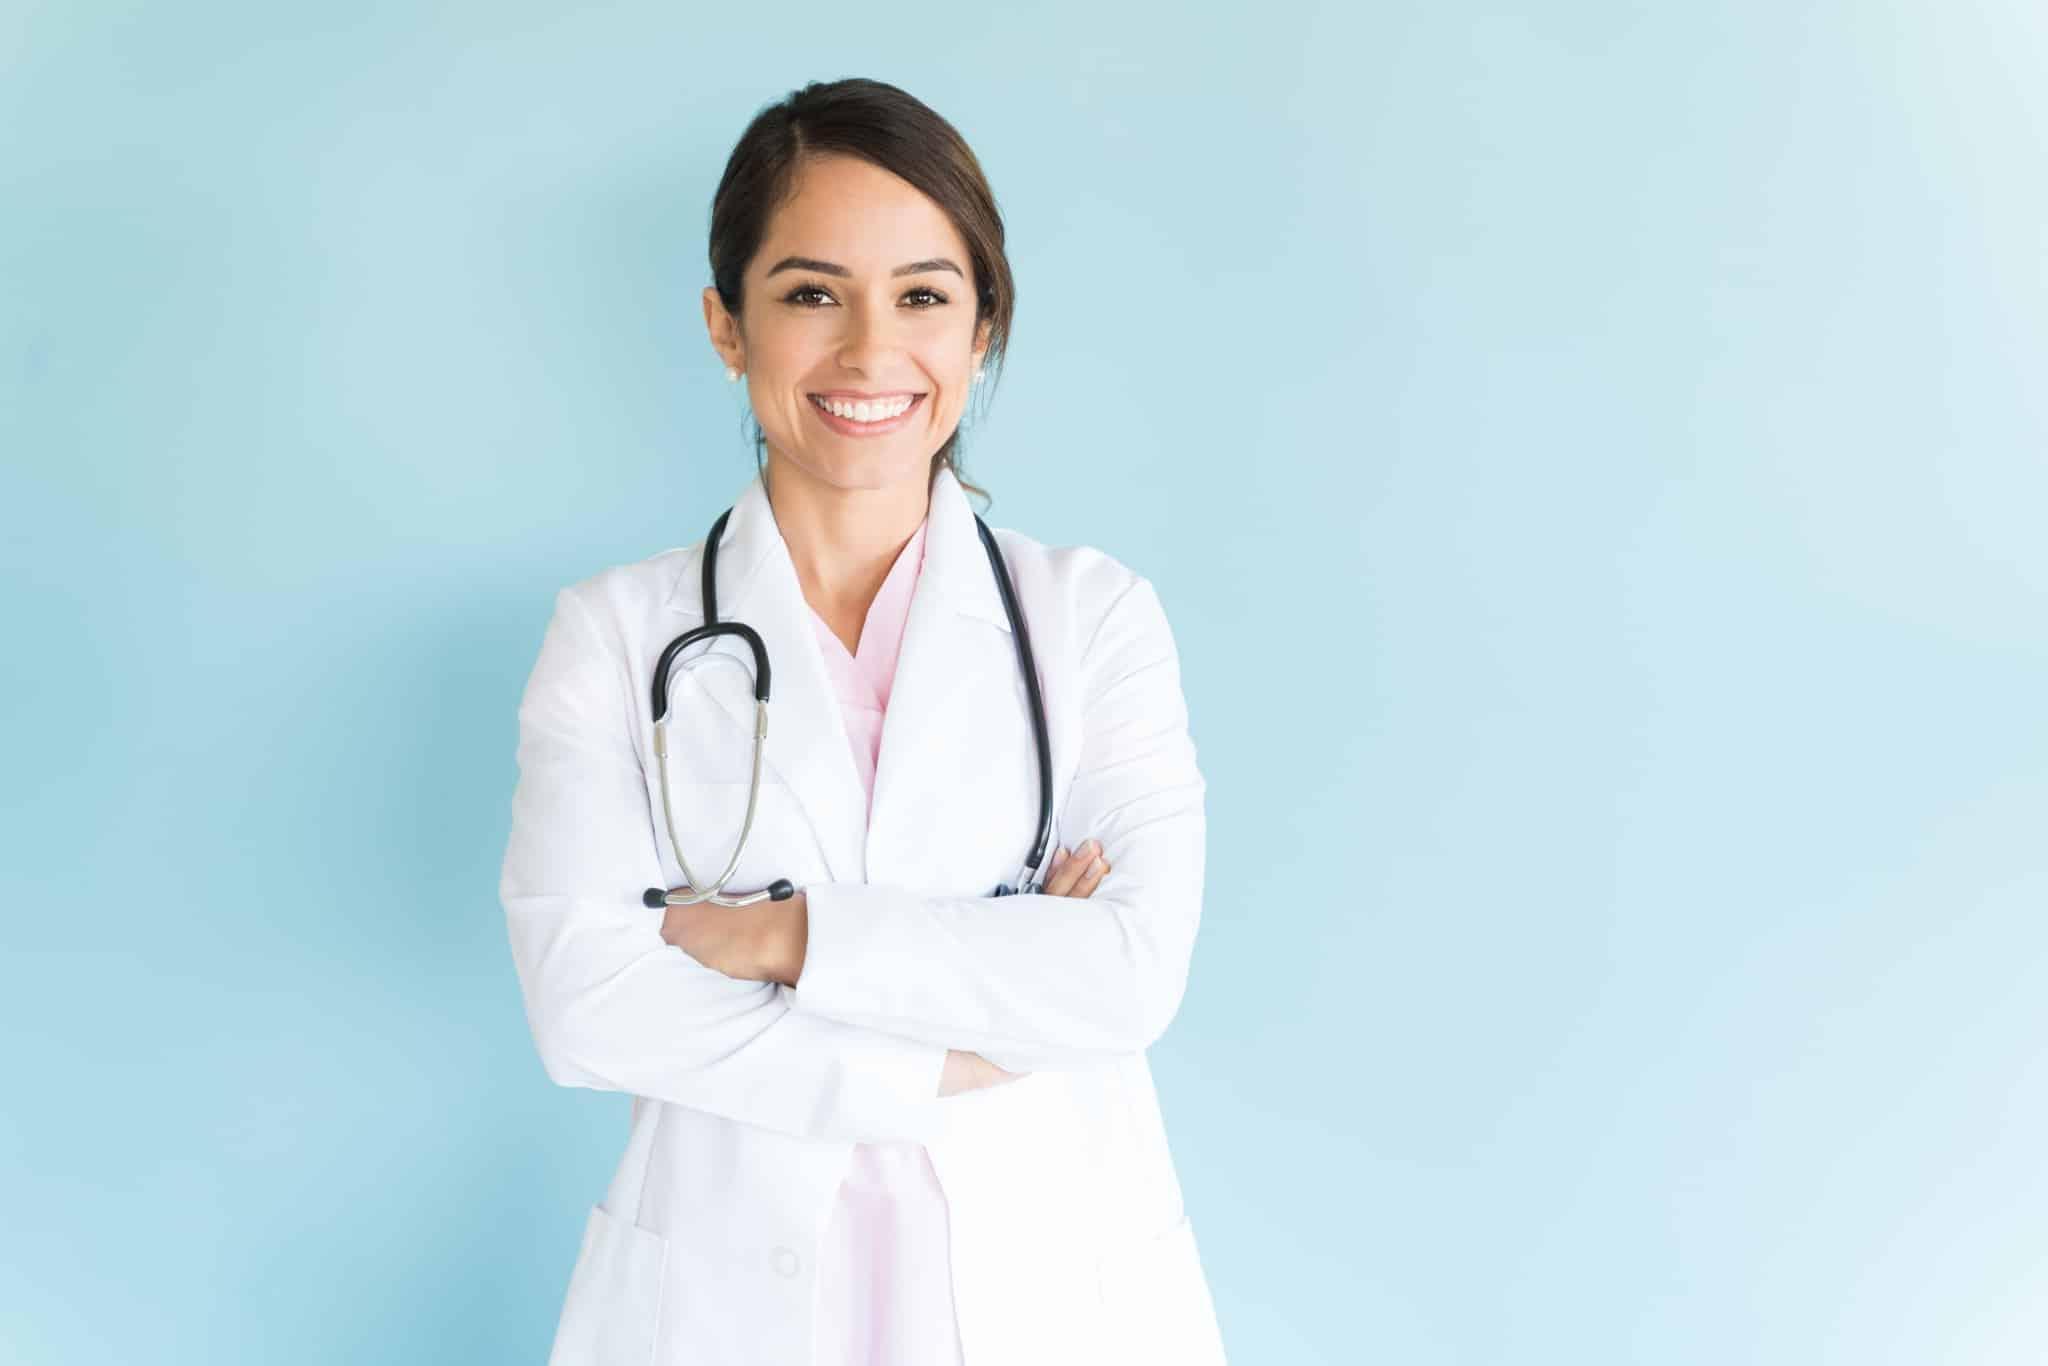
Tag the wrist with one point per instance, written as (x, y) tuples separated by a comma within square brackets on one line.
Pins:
[(788, 937)]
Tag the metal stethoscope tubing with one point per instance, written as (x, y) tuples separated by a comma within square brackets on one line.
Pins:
[(779, 890)]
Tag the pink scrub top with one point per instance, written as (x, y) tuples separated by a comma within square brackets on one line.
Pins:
[(885, 1275)]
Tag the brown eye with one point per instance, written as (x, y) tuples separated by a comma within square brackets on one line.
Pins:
[(803, 297)]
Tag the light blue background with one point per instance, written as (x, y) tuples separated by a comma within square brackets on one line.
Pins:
[(1592, 457)]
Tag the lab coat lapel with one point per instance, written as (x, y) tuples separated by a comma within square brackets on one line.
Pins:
[(807, 745), (956, 680)]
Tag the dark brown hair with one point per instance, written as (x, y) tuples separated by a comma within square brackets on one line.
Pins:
[(897, 132)]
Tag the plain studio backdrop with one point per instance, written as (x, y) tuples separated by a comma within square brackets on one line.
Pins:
[(1592, 457)]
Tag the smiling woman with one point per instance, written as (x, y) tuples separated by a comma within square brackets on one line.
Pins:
[(833, 1159), (813, 218)]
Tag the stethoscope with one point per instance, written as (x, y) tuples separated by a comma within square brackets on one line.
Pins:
[(782, 889)]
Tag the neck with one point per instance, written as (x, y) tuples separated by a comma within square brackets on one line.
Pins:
[(842, 541)]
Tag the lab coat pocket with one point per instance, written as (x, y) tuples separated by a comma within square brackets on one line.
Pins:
[(1156, 1302), (614, 1303)]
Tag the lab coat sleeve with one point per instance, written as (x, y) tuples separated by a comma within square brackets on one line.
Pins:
[(614, 1007), (1039, 982)]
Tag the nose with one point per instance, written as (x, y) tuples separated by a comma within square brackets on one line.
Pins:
[(869, 337)]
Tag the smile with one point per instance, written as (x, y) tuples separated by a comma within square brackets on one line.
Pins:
[(865, 417)]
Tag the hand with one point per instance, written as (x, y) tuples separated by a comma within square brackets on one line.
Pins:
[(970, 1072), (759, 943), (1076, 875)]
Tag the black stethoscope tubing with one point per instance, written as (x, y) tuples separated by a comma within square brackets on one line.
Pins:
[(782, 889)]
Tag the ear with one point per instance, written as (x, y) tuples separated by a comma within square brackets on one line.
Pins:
[(982, 334), (724, 329)]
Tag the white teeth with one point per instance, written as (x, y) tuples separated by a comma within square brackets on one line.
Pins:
[(866, 412)]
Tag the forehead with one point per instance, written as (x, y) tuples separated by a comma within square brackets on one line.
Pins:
[(855, 213)]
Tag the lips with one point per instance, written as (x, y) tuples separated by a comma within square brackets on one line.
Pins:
[(855, 396), (847, 426)]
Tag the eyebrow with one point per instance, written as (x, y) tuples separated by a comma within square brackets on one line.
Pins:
[(827, 268)]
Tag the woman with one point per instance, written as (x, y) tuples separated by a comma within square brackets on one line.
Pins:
[(893, 1119)]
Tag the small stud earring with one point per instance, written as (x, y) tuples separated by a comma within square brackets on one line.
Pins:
[(976, 379), (731, 374)]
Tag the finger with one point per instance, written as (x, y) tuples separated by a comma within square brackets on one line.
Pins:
[(1074, 867), (1092, 878), (1061, 876)]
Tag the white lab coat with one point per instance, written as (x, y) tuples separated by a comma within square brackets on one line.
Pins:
[(1070, 1242)]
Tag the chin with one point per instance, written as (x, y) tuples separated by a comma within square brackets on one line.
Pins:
[(860, 471)]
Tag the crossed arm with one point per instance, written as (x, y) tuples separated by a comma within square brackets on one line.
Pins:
[(835, 1038), (768, 944)]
